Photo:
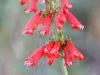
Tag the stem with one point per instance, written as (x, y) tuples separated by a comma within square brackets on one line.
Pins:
[(56, 32), (57, 2), (64, 69), (52, 4)]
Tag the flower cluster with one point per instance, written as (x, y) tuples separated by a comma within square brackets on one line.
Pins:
[(55, 48), (52, 51), (44, 17)]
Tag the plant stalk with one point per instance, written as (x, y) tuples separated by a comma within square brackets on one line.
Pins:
[(64, 69)]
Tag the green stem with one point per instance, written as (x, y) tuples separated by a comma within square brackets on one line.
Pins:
[(52, 4), (64, 69), (57, 2), (56, 32)]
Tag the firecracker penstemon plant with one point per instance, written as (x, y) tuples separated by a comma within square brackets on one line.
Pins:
[(58, 47)]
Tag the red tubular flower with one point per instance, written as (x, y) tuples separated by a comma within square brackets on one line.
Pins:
[(22, 2), (55, 49), (75, 24), (62, 16), (74, 53), (68, 62), (46, 25), (54, 52), (65, 4), (32, 6), (32, 24), (50, 60), (33, 59), (57, 21), (48, 48)]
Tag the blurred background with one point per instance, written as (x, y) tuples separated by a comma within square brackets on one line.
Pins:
[(15, 47)]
